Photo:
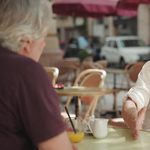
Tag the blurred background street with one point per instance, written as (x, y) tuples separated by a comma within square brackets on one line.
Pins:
[(85, 32)]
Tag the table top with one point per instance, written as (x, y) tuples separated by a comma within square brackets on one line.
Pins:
[(117, 139), (82, 91), (118, 71)]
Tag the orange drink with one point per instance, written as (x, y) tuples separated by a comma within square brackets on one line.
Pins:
[(78, 128), (75, 137)]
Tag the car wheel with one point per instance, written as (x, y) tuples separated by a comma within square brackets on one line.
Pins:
[(122, 63)]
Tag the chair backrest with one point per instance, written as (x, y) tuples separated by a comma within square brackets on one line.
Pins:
[(72, 60), (90, 78), (53, 73), (86, 66), (99, 66), (135, 69), (91, 65), (59, 65), (103, 63), (128, 66), (87, 63)]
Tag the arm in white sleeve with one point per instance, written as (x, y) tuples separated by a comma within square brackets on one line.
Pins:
[(140, 93)]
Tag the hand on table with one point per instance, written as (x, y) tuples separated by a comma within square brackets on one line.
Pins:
[(135, 125), (133, 118)]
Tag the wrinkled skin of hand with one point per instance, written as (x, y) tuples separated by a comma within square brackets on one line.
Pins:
[(132, 117)]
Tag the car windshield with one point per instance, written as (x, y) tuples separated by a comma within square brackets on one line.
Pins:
[(132, 43)]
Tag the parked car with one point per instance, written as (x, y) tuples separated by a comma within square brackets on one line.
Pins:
[(124, 49), (77, 46)]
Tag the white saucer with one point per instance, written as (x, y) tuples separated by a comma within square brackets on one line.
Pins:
[(87, 131)]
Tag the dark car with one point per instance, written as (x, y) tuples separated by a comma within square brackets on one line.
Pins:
[(77, 47)]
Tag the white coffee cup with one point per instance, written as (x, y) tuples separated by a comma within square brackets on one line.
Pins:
[(98, 126)]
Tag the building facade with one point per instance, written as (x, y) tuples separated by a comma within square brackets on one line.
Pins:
[(51, 53)]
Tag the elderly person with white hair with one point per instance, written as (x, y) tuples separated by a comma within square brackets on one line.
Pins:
[(29, 107)]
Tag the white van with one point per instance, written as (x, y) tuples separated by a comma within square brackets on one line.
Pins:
[(124, 49)]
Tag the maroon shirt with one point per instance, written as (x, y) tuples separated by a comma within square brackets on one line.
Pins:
[(29, 106)]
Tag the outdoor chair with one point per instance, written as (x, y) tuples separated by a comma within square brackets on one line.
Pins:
[(94, 65), (74, 62), (134, 69), (67, 71), (53, 73), (103, 63), (87, 63), (89, 78), (86, 66)]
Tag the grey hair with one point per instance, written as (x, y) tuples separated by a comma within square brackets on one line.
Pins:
[(23, 20)]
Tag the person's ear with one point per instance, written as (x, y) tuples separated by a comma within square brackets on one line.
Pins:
[(27, 45)]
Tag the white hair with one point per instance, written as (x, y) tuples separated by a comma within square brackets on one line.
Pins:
[(23, 20)]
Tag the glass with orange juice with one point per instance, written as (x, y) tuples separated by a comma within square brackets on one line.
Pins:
[(78, 124)]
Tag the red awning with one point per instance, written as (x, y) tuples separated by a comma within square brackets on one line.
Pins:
[(85, 8), (125, 12), (130, 4), (124, 6), (136, 1), (90, 8)]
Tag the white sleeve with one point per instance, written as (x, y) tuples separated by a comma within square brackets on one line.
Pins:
[(140, 93)]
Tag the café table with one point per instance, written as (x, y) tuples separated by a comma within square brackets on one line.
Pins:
[(82, 91), (117, 139)]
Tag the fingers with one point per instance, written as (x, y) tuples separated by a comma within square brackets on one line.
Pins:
[(140, 117), (135, 133), (130, 120), (138, 122)]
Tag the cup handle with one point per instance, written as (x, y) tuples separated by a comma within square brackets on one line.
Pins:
[(90, 123)]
